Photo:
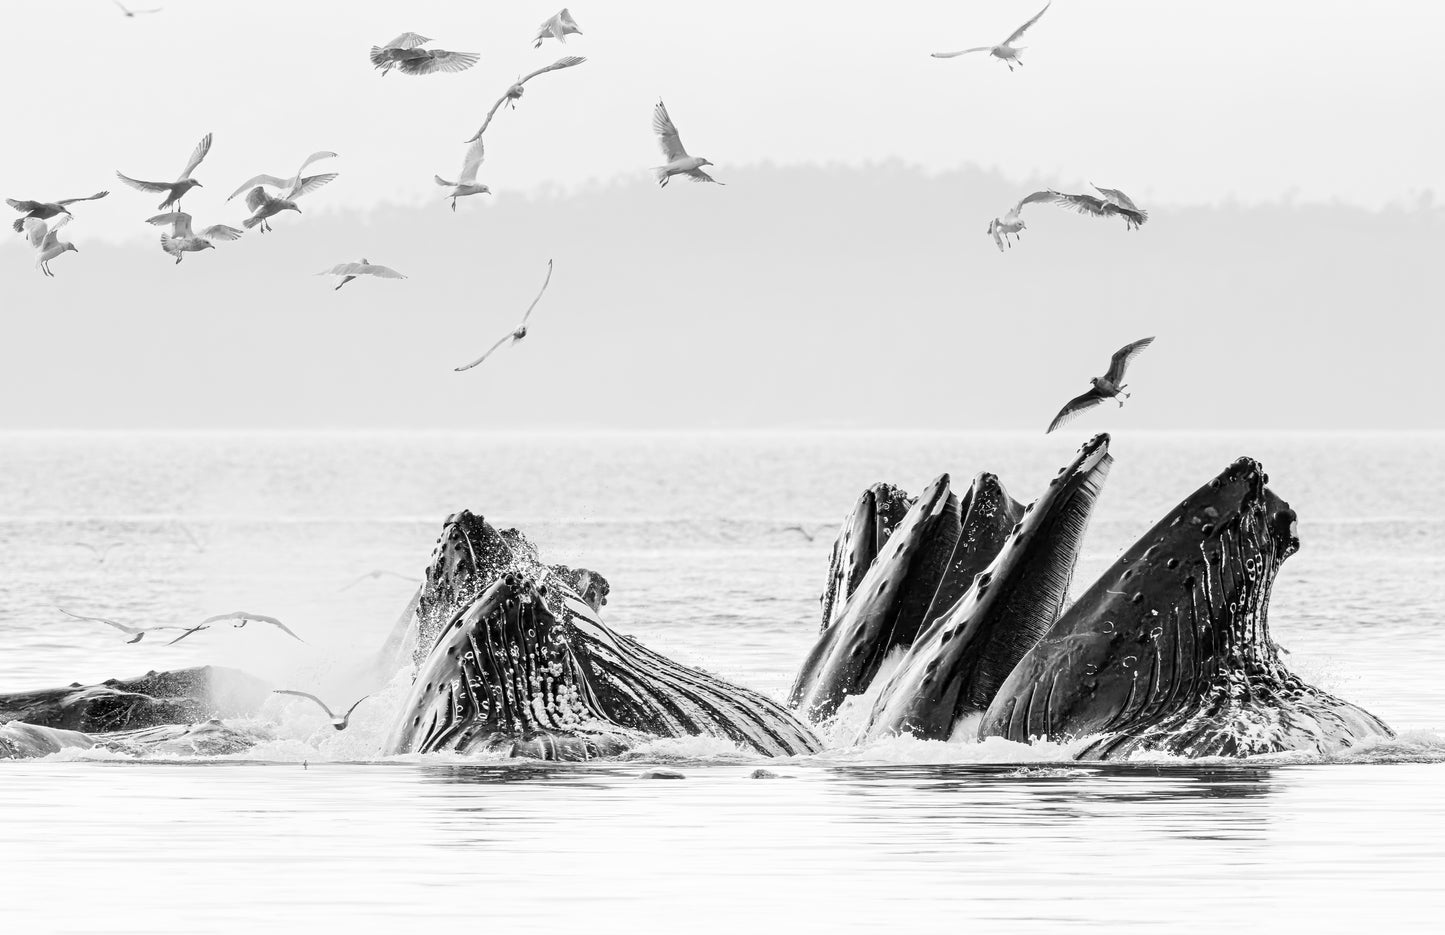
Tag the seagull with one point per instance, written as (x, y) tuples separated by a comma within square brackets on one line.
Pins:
[(1125, 204), (295, 186), (379, 573), (132, 14), (466, 183), (337, 722), (678, 161), (191, 535), (1109, 386), (799, 528), (514, 93), (406, 52), (1010, 224), (100, 552), (521, 330), (138, 632), (45, 210), (47, 245), (557, 27), (242, 617), (176, 190), (349, 271), (1005, 51), (182, 239)]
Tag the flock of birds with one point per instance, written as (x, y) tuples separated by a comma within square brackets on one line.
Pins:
[(269, 196)]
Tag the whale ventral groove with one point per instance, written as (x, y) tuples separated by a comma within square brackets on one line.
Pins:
[(1170, 651)]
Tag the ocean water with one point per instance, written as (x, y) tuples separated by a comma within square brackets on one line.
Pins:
[(695, 534)]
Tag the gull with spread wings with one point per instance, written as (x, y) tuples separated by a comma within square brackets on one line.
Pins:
[(339, 723), (1109, 386), (242, 617), (44, 210), (101, 552), (521, 330), (128, 13), (136, 633), (349, 271), (1000, 229), (466, 183), (176, 190), (1005, 51), (47, 244), (406, 53), (514, 93), (678, 161), (1132, 214), (183, 239), (376, 573), (263, 205), (558, 26)]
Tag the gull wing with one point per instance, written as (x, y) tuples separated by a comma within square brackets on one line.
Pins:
[(697, 175), (251, 183), (180, 221), (472, 161), (35, 231), (438, 60), (1018, 33), (344, 269), (287, 691), (221, 232), (354, 706), (977, 48), (256, 197), (95, 197), (1120, 361), (310, 184), (486, 355), (381, 272), (565, 62), (25, 207), (189, 631), (550, 29), (144, 186), (245, 616), (407, 40), (993, 231), (667, 135), (1084, 204), (1075, 406), (109, 622), (528, 313), (203, 147), (1048, 196), (1110, 194)]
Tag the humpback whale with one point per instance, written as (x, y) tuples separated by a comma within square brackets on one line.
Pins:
[(1170, 650), (955, 666), (905, 577), (520, 663)]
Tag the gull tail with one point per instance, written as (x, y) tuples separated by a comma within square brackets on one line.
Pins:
[(251, 222), (661, 173)]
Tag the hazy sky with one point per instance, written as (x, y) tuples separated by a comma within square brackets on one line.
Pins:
[(841, 278)]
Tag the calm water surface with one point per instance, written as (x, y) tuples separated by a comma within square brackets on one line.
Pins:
[(693, 533)]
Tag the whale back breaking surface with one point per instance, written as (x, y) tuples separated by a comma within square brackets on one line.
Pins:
[(886, 609), (957, 664), (1170, 650), (528, 668)]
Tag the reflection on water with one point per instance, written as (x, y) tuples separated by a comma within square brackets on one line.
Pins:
[(386, 847)]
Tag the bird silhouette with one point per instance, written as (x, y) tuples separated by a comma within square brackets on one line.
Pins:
[(678, 160), (101, 553), (177, 189), (558, 26), (1109, 386), (44, 210), (183, 239), (379, 573), (340, 723), (47, 243), (1000, 229), (350, 271), (137, 633), (520, 331), (242, 617), (1132, 214), (405, 53), (514, 93), (128, 13), (466, 183), (1005, 51)]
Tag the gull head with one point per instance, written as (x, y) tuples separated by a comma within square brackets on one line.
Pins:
[(71, 246), (290, 206), (207, 245), (705, 162)]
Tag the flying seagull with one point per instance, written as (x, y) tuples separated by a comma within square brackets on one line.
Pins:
[(349, 271), (1005, 51), (466, 183), (100, 552), (337, 722), (176, 190), (44, 210), (294, 186), (137, 633), (380, 573), (1133, 215), (182, 239), (47, 245), (557, 27), (128, 13), (801, 529), (1109, 386), (514, 93), (678, 161), (406, 53), (521, 330), (242, 617), (1011, 223)]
